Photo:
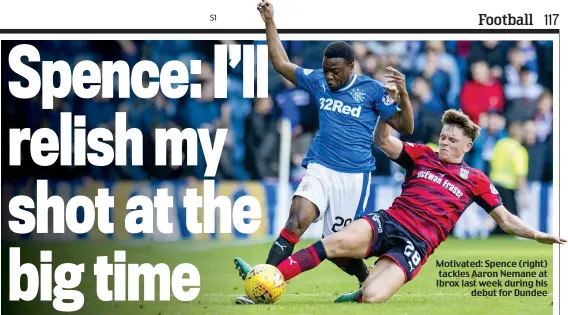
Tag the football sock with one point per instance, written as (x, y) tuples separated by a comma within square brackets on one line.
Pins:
[(359, 297), (282, 248), (303, 260), (353, 267)]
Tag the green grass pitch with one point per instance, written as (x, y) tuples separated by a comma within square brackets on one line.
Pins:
[(310, 293)]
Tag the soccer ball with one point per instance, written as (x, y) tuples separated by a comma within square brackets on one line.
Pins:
[(264, 284)]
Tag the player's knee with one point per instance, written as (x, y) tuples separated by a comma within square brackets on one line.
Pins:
[(301, 216), (293, 225), (297, 223), (374, 296)]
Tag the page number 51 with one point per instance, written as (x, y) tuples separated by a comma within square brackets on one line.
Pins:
[(550, 19)]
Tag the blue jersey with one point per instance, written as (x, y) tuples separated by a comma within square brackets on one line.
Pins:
[(347, 119)]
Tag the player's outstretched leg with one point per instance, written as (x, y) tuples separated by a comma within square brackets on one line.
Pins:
[(302, 213), (383, 282), (242, 267), (353, 241)]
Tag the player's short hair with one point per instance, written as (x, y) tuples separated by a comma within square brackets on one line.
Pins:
[(460, 119), (339, 49)]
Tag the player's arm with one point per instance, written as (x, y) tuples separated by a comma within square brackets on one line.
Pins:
[(389, 144), (403, 120), (403, 153), (488, 198), (276, 51), (511, 224)]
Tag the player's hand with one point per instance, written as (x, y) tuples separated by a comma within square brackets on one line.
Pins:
[(393, 92), (398, 79), (548, 239), (266, 10)]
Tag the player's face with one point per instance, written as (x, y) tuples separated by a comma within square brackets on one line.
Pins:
[(453, 144), (337, 72)]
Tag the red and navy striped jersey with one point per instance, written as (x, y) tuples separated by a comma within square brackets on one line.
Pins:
[(435, 194)]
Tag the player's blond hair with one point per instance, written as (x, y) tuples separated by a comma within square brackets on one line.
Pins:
[(458, 118)]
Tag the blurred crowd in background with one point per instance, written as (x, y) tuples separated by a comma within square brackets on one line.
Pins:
[(504, 86)]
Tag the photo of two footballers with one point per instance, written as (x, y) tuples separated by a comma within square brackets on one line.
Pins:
[(400, 176), (438, 185)]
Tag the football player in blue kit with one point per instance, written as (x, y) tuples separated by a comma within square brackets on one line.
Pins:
[(336, 185)]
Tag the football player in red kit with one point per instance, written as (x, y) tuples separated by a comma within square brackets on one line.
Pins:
[(437, 189)]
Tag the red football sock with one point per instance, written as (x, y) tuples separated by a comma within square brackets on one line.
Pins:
[(289, 236), (303, 260)]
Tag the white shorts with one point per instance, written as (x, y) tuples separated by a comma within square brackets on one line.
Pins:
[(340, 197)]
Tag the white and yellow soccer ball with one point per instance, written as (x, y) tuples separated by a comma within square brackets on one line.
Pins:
[(264, 284)]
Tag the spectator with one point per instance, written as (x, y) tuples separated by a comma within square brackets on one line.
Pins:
[(426, 122), (522, 97), (310, 53), (491, 51), (382, 162), (528, 49), (513, 68), (543, 117), (262, 140), (369, 64), (422, 89), (527, 88), (549, 165), (545, 61), (203, 113), (442, 69), (463, 48), (492, 130), (360, 49), (537, 152), (226, 162), (388, 52), (482, 93), (295, 104), (509, 168), (168, 171), (380, 75)]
